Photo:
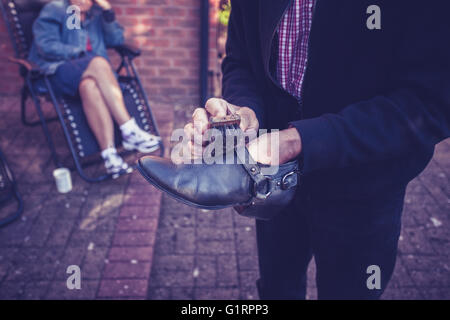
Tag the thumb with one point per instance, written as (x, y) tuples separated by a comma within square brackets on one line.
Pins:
[(216, 107), (249, 122)]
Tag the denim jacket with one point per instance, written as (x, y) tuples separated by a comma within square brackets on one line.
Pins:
[(54, 42)]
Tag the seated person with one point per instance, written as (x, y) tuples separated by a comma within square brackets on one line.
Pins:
[(77, 62)]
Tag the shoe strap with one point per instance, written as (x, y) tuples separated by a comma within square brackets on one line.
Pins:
[(261, 183), (263, 186)]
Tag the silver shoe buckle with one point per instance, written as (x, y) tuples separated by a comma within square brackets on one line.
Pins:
[(259, 195), (284, 182)]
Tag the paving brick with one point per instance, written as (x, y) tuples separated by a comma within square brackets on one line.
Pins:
[(130, 224), (185, 241), (165, 245), (130, 253), (215, 247), (4, 267), (249, 293), (178, 220), (157, 293), (60, 232), (126, 270), (215, 219), (59, 291), (16, 234), (84, 238), (216, 294), (245, 240), (71, 256), (178, 293), (134, 239), (139, 211), (143, 200), (94, 263), (175, 263), (425, 263), (215, 234), (414, 241), (122, 288), (244, 221), (167, 278), (431, 278), (227, 273), (248, 262), (11, 290), (436, 294), (311, 294), (35, 290), (402, 294), (248, 279), (206, 271), (401, 276), (34, 264), (41, 231)]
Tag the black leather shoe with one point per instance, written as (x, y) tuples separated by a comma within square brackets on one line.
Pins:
[(217, 186)]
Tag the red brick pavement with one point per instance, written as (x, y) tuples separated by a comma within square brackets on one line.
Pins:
[(108, 229)]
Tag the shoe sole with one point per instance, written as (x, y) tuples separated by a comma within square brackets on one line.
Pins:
[(117, 175), (173, 195), (130, 147)]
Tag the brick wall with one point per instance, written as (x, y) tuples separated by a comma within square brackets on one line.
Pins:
[(167, 31)]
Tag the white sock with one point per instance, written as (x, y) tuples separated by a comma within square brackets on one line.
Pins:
[(108, 152), (129, 126)]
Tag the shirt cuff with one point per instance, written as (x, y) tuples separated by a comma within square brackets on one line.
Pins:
[(109, 15)]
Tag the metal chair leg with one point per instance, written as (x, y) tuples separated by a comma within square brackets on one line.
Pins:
[(16, 215), (43, 122), (16, 194)]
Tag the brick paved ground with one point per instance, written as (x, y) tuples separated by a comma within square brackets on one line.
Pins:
[(107, 229), (104, 229), (212, 255)]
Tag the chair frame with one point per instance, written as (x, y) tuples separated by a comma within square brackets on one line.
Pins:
[(15, 193), (31, 74)]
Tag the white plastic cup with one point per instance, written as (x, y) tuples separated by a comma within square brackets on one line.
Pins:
[(63, 180)]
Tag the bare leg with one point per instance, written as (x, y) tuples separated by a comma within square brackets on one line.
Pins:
[(97, 113), (100, 70)]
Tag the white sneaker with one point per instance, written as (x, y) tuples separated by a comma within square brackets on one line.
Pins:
[(115, 165), (140, 140)]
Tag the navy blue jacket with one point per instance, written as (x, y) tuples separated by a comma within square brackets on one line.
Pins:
[(54, 42), (375, 102)]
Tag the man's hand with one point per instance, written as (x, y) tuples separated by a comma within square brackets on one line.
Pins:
[(289, 147), (104, 4), (216, 108), (289, 142)]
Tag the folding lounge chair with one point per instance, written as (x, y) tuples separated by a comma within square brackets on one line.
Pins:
[(19, 16), (8, 192)]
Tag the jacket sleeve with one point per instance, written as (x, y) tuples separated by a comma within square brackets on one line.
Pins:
[(238, 82), (112, 30), (411, 118), (47, 36)]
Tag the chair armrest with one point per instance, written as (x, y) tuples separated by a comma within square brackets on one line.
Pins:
[(26, 66), (128, 50)]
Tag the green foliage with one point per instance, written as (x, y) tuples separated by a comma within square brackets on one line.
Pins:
[(224, 13)]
